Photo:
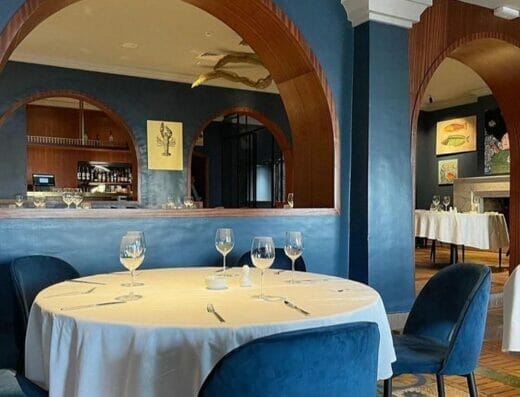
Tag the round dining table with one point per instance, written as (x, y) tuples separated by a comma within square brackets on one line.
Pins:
[(82, 342)]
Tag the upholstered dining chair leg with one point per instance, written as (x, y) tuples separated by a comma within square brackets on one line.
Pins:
[(472, 385), (440, 385), (387, 388)]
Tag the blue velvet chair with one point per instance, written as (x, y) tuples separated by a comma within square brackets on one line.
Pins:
[(13, 385), (30, 275), (445, 329), (281, 261), (339, 360)]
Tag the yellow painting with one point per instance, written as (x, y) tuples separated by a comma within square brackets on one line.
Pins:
[(164, 145), (457, 135)]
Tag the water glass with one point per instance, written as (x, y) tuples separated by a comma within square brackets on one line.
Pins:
[(293, 248), (224, 243), (262, 256), (436, 202), (131, 254), (446, 201)]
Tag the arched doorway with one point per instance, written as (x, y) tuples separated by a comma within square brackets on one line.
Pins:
[(301, 82), (99, 147), (280, 139), (490, 47)]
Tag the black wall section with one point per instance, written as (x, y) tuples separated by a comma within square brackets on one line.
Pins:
[(470, 163)]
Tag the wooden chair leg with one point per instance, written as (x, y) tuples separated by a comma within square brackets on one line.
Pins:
[(387, 388), (472, 385), (440, 385), (432, 252)]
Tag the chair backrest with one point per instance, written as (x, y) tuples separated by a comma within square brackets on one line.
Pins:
[(339, 360), (281, 261), (31, 274), (452, 308)]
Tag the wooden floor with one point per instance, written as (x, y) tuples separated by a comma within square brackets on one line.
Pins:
[(498, 373)]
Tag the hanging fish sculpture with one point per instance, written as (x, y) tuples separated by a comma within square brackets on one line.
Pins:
[(455, 140), (166, 139)]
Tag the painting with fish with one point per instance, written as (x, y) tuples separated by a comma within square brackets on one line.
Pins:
[(457, 135), (448, 171)]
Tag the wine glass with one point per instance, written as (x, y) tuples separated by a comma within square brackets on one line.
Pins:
[(224, 243), (293, 248), (262, 256), (67, 198), (290, 200), (436, 201), (188, 202), (446, 202), (39, 202), (77, 198), (476, 204), (170, 202), (18, 200), (131, 255)]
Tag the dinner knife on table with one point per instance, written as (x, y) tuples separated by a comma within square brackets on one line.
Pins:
[(295, 307)]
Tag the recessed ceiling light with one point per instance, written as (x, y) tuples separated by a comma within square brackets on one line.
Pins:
[(208, 33), (130, 45), (507, 12)]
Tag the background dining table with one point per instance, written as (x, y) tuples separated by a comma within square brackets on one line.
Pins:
[(167, 342)]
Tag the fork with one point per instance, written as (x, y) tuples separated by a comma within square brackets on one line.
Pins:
[(211, 309), (72, 293)]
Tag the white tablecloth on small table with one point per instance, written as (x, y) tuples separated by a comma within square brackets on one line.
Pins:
[(167, 343), (511, 314), (486, 231)]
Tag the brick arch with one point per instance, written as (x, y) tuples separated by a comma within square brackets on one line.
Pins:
[(488, 45), (301, 82)]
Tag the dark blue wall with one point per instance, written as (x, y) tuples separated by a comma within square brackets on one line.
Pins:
[(470, 163), (13, 155), (382, 237), (136, 100)]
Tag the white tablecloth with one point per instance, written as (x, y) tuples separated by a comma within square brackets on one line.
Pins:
[(166, 343), (511, 330), (486, 231)]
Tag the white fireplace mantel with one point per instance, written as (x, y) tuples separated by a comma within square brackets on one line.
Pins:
[(483, 187)]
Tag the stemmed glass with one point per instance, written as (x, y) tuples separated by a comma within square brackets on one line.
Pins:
[(262, 256), (77, 198), (131, 255), (18, 200), (224, 243), (436, 202), (446, 202), (39, 202), (188, 202), (67, 198), (290, 200), (293, 248)]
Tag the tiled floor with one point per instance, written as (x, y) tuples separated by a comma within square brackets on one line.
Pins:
[(498, 373)]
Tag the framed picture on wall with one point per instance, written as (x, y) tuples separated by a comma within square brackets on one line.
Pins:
[(164, 145), (448, 171), (456, 136)]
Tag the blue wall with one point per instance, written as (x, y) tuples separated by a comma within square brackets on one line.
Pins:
[(470, 163), (13, 155)]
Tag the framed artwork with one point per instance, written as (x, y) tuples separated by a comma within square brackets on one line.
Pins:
[(456, 136), (164, 140), (497, 156), (448, 171)]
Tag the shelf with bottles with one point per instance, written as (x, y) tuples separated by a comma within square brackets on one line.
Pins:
[(75, 143), (98, 173)]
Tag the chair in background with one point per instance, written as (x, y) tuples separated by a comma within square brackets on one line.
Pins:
[(13, 385), (30, 275), (338, 360), (444, 332), (281, 261)]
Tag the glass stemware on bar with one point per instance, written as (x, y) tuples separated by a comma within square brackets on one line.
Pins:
[(436, 202), (39, 202), (290, 200), (77, 198), (262, 256), (188, 202), (67, 198), (293, 248), (18, 200), (131, 255), (446, 201), (224, 243)]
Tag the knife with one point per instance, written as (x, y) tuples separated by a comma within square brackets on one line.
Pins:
[(85, 282), (92, 305), (293, 306)]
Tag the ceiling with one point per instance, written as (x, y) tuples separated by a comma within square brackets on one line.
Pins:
[(145, 38), (495, 3), (63, 102), (453, 84)]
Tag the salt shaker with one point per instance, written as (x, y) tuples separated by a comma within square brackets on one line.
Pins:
[(245, 281)]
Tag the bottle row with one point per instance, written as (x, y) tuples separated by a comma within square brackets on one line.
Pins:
[(103, 174)]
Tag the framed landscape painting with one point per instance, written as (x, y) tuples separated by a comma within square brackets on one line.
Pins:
[(448, 171), (456, 136)]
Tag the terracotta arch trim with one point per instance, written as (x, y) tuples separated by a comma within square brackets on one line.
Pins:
[(301, 81), (86, 98), (274, 128)]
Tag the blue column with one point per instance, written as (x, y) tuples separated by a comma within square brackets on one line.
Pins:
[(381, 234)]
